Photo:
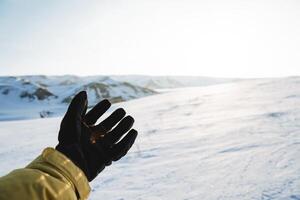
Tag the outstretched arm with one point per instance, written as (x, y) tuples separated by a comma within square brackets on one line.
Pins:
[(84, 150)]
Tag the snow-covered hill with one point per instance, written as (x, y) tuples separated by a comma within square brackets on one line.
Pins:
[(43, 96), (235, 141), (161, 82)]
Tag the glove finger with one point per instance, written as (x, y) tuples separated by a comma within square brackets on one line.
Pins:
[(78, 106), (107, 124), (71, 122), (96, 112), (121, 148), (124, 126)]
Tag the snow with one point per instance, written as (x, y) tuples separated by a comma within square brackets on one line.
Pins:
[(230, 141)]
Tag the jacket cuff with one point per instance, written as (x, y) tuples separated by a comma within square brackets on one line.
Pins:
[(68, 169)]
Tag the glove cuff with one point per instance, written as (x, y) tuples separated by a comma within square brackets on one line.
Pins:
[(74, 153)]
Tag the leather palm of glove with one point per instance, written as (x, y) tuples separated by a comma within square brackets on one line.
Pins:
[(92, 147)]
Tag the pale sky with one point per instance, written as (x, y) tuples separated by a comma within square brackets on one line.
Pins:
[(223, 38)]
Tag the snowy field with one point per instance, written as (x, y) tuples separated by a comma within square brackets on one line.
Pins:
[(236, 141)]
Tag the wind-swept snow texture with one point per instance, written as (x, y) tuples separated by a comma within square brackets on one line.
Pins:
[(236, 141)]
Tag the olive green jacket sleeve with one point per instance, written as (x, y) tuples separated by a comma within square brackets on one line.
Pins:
[(49, 176)]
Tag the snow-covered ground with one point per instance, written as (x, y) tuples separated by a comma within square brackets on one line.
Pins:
[(235, 141)]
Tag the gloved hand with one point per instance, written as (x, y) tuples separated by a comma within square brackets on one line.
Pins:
[(92, 147)]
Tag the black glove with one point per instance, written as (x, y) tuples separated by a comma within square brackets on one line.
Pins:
[(92, 147)]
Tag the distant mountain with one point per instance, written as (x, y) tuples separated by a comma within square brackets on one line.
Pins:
[(63, 88), (23, 97), (43, 96), (162, 82)]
